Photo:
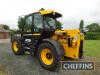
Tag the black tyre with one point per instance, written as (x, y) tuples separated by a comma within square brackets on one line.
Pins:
[(17, 47), (48, 56), (81, 49)]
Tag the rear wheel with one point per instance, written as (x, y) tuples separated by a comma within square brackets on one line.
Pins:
[(17, 47), (48, 56)]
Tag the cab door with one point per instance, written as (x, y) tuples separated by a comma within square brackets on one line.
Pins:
[(27, 30), (38, 22), (38, 26)]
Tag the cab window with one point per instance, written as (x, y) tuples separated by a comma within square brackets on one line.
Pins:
[(49, 23), (28, 25), (37, 22)]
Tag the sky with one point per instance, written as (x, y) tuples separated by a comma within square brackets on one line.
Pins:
[(72, 10)]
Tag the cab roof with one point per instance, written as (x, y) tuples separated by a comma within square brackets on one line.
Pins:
[(50, 13), (43, 12)]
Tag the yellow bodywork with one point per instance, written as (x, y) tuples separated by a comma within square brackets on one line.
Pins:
[(72, 51), (46, 11), (36, 34)]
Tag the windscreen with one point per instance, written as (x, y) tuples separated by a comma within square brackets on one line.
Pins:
[(50, 23)]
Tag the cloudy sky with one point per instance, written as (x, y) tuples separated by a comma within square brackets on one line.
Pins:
[(73, 10)]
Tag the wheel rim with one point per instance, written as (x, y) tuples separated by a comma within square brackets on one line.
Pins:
[(47, 56), (15, 47)]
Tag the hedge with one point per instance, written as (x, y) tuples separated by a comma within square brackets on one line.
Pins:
[(92, 36)]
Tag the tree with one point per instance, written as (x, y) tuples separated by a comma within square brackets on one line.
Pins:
[(59, 25), (6, 27), (81, 26), (21, 23), (94, 27), (12, 32)]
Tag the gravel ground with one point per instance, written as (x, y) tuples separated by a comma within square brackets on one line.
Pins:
[(11, 64)]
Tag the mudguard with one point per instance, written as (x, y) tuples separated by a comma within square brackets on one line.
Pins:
[(57, 46)]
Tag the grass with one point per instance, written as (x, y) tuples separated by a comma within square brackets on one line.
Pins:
[(92, 48)]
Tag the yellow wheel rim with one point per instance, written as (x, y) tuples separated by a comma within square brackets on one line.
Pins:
[(47, 56), (15, 48)]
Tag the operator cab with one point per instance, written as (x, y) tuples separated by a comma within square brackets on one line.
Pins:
[(39, 25), (44, 20)]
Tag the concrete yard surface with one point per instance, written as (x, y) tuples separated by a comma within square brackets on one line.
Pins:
[(4, 40)]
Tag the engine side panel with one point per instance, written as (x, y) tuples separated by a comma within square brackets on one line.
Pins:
[(73, 51)]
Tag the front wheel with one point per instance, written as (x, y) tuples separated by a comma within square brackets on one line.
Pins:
[(48, 56)]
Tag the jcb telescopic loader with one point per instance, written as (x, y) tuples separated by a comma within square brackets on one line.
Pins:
[(41, 36)]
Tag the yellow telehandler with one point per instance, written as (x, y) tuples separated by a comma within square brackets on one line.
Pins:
[(40, 36)]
